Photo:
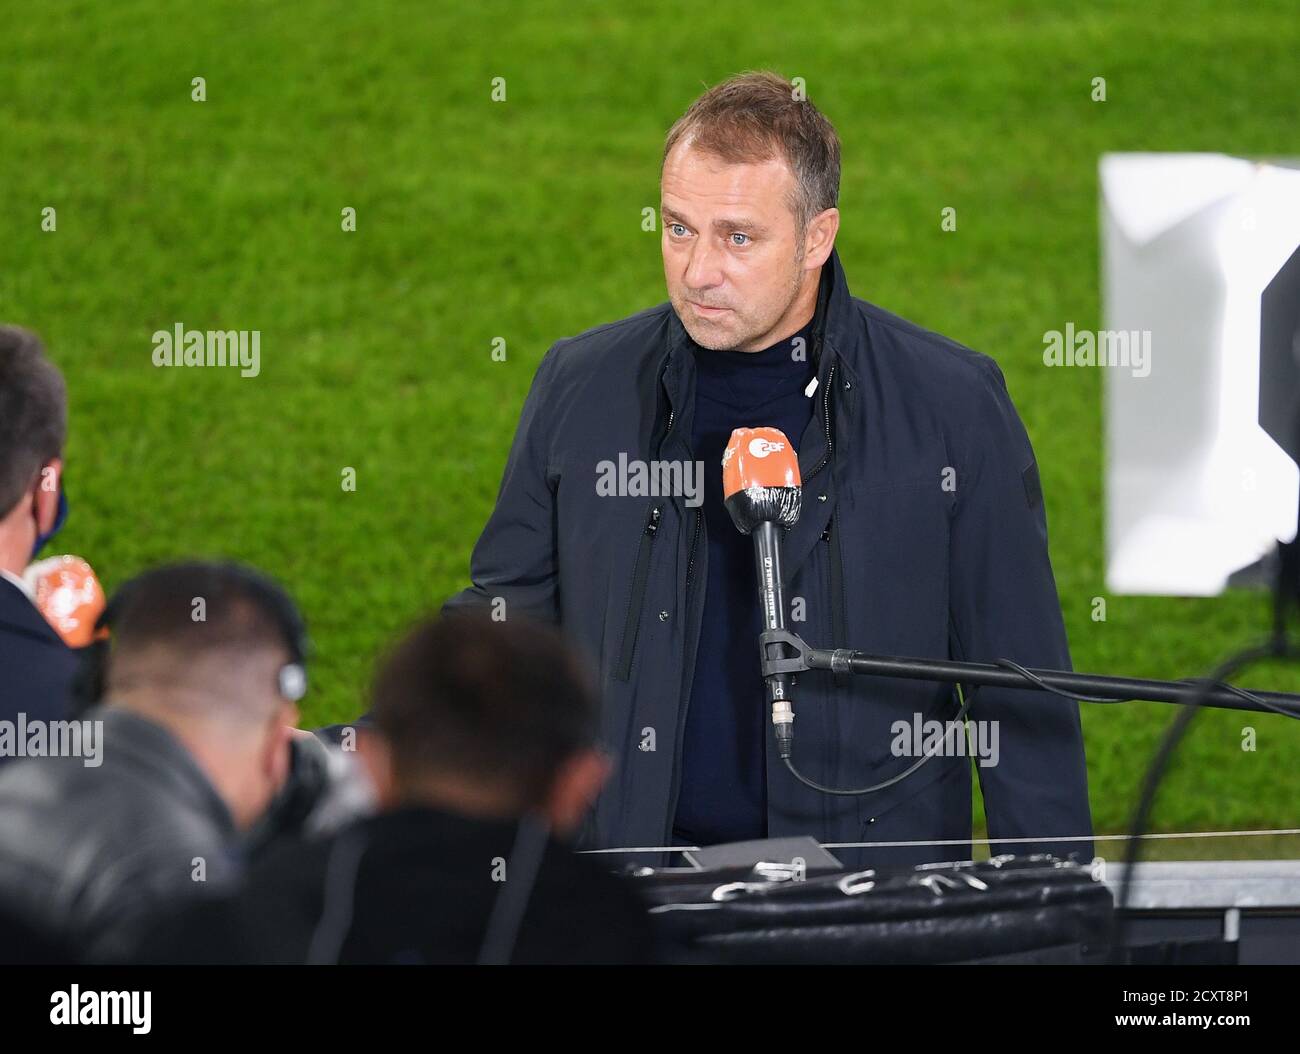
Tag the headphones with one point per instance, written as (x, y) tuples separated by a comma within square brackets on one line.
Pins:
[(89, 683)]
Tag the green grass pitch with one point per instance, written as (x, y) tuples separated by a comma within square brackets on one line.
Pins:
[(521, 220)]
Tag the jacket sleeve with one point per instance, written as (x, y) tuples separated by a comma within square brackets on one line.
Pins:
[(1004, 604), (515, 558)]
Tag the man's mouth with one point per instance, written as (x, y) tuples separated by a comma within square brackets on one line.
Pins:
[(706, 311)]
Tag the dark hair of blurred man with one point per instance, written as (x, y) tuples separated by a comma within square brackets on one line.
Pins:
[(37, 667), (483, 740), (184, 754)]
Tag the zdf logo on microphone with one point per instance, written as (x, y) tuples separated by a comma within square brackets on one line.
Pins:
[(760, 447)]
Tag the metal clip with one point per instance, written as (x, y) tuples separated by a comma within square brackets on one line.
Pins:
[(778, 870), (931, 882), (857, 882), (731, 890)]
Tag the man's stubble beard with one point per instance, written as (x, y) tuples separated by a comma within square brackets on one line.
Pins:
[(712, 339)]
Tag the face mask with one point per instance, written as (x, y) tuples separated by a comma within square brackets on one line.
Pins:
[(59, 520)]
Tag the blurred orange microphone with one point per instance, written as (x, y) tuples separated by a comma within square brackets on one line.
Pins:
[(69, 595)]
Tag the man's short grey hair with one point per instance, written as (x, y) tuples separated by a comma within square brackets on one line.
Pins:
[(753, 117)]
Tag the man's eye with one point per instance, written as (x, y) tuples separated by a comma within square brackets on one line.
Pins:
[(736, 235), (674, 228)]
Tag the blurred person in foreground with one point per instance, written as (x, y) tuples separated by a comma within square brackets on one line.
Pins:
[(482, 737), (191, 744)]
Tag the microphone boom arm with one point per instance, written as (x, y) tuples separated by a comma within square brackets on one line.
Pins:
[(799, 657)]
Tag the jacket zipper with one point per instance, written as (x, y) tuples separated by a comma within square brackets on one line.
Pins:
[(640, 575), (690, 559), (831, 537), (826, 424), (675, 788), (699, 520)]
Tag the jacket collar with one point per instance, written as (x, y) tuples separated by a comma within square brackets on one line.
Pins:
[(838, 336), (833, 318), (17, 582), (19, 613), (839, 345)]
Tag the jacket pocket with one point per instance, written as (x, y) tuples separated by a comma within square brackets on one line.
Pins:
[(636, 596)]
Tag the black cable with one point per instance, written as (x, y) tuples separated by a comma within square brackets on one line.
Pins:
[(789, 764), (1155, 773), (1242, 693), (1202, 691), (1033, 678), (1252, 697)]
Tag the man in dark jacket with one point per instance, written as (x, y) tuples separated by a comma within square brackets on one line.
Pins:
[(186, 753), (923, 530), (36, 667), (482, 739)]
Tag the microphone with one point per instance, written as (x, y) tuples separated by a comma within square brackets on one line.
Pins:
[(70, 597), (764, 495)]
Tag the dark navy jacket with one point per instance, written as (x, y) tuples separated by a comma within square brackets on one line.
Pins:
[(36, 668), (886, 558)]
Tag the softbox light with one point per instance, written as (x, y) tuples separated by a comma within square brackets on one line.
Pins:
[(1197, 486)]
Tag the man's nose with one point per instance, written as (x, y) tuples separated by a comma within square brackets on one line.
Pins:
[(704, 268)]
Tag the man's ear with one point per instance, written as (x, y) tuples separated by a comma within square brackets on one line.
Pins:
[(820, 238), (46, 495), (277, 757), (574, 789)]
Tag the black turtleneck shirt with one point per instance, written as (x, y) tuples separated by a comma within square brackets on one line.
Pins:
[(723, 791)]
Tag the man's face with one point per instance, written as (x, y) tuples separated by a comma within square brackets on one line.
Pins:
[(733, 259)]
